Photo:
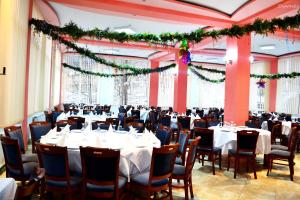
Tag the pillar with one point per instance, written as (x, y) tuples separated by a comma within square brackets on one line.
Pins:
[(180, 86), (236, 106), (273, 85), (154, 81)]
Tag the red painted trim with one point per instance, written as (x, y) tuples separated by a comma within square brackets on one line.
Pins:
[(48, 12), (25, 113), (133, 10), (243, 6), (154, 82), (162, 56), (112, 56), (60, 79), (273, 86), (53, 55)]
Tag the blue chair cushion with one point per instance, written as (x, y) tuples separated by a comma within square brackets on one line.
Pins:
[(39, 131), (233, 152), (178, 161), (106, 188), (279, 147), (280, 153), (74, 181), (31, 157), (143, 179), (179, 169), (28, 169)]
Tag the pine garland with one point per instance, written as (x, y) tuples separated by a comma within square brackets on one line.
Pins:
[(207, 69), (152, 70), (205, 78), (259, 26)]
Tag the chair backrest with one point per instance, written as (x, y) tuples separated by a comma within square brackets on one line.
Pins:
[(272, 123), (184, 122), (207, 137), (136, 113), (73, 111), (100, 166), (37, 130), (276, 131), (86, 111), (213, 122), (113, 121), (100, 124), (165, 120), (200, 123), (128, 120), (122, 117), (183, 141), (296, 124), (55, 114), (137, 125), (153, 117), (49, 118), (15, 132), (54, 160), (293, 140), (162, 162), (79, 121), (163, 133), (191, 155), (252, 124), (12, 157), (246, 141), (62, 123)]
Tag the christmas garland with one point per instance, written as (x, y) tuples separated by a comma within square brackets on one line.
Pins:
[(276, 76), (259, 26), (207, 69), (205, 78), (158, 69)]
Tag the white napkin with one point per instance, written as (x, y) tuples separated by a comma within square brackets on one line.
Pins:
[(110, 129), (132, 130), (197, 117), (146, 131)]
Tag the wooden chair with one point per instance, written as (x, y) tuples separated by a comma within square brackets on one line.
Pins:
[(54, 160), (152, 120), (14, 165), (164, 120), (252, 124), (246, 147), (79, 121), (163, 133), (206, 147), (184, 172), (282, 155), (128, 120), (297, 124), (200, 123), (37, 130), (114, 122), (100, 171), (104, 125), (160, 176), (137, 125), (276, 133), (212, 122), (184, 122), (183, 140)]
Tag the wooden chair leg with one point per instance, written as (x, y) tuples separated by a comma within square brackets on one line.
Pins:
[(247, 167), (203, 159), (186, 189), (254, 167), (191, 187), (228, 162), (235, 165), (291, 166), (269, 165), (220, 161), (213, 163), (170, 191)]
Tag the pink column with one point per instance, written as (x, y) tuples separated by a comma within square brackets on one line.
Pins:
[(60, 82), (180, 86), (154, 78), (25, 113), (51, 74), (237, 80), (273, 85)]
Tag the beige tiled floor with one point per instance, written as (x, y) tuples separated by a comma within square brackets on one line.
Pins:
[(223, 186)]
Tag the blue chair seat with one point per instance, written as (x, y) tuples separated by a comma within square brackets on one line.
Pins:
[(31, 157), (233, 152), (279, 147), (179, 170), (28, 169), (74, 181), (106, 188), (178, 161), (215, 150), (277, 152), (143, 179)]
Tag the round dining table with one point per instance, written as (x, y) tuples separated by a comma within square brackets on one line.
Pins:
[(135, 148)]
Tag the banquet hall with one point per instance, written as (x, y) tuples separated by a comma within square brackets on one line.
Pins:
[(150, 99)]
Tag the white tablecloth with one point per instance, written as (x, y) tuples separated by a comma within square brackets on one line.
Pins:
[(286, 127), (8, 188), (88, 118), (136, 149), (226, 138)]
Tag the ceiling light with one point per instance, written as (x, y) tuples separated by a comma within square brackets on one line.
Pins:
[(126, 29), (267, 46), (251, 59)]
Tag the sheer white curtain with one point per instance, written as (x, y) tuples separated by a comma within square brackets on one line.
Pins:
[(259, 95), (166, 86), (288, 90), (205, 94)]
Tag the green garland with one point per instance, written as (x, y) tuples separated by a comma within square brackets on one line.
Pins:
[(207, 69), (158, 69), (276, 76), (205, 78), (259, 26)]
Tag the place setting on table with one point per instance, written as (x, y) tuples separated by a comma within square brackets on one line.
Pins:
[(135, 148)]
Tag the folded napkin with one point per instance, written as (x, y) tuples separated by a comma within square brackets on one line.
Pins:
[(110, 129)]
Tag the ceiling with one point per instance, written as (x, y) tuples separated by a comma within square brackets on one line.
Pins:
[(89, 18)]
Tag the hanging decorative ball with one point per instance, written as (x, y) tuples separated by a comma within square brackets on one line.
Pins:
[(184, 53), (261, 83)]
